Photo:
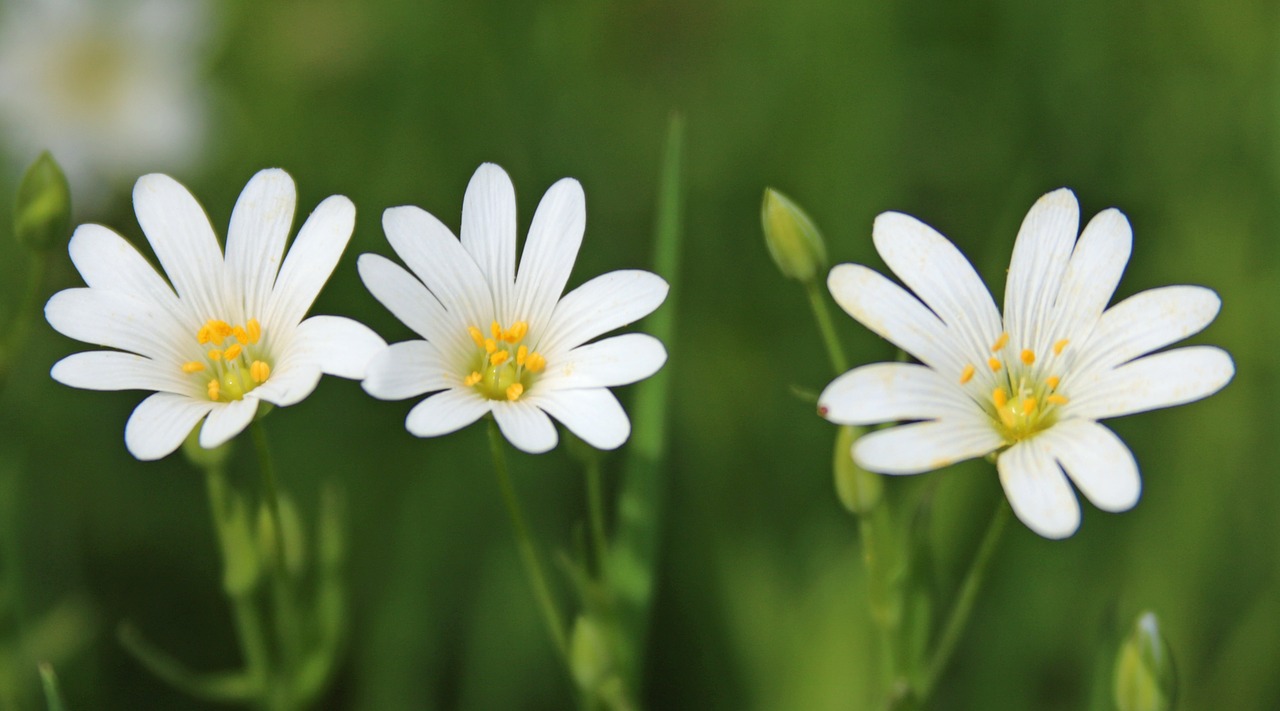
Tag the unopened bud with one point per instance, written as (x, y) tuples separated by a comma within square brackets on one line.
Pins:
[(1145, 676), (793, 240), (859, 490), (42, 215), (295, 544), (590, 659)]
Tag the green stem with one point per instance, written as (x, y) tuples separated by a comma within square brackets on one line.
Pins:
[(528, 555), (883, 589), (963, 606), (835, 351), (285, 615), (595, 507), (20, 322)]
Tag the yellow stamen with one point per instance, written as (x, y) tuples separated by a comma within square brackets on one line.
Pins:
[(967, 374), (232, 352), (214, 354), (517, 331), (472, 379), (999, 397), (218, 330), (499, 358), (192, 367), (1052, 381), (1028, 356), (1057, 399), (1028, 406), (534, 363), (994, 364), (496, 330), (213, 389), (515, 391), (259, 371), (1060, 346), (1000, 342), (522, 354), (253, 330), (490, 345), (476, 335), (241, 335)]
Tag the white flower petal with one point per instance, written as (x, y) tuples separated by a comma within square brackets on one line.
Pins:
[(489, 232), (941, 277), (260, 224), (160, 423), (1038, 490), (116, 320), (924, 446), (606, 302), (289, 384), (1162, 380), (407, 369), (1040, 257), (895, 315), (884, 392), (1092, 274), (408, 300), (337, 345), (311, 260), (227, 421), (619, 360), (1144, 322), (183, 240), (1101, 466), (437, 258), (525, 426), (109, 262), (549, 253), (593, 414), (445, 412), (113, 370)]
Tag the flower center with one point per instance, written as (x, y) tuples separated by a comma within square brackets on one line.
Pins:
[(231, 365), (503, 368), (1024, 400)]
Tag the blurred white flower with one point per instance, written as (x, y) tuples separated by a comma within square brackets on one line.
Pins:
[(505, 342), (1032, 385), (112, 89), (233, 335)]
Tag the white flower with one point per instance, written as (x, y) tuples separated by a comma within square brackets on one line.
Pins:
[(111, 89), (1032, 385), (233, 335), (505, 342)]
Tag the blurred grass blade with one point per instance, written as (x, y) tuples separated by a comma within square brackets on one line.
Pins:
[(52, 697), (235, 687), (629, 572)]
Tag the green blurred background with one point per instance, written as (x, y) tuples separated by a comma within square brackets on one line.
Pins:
[(959, 113)]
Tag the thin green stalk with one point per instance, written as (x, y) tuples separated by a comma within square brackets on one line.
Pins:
[(963, 606), (595, 508), (23, 314), (282, 594), (528, 555), (835, 351)]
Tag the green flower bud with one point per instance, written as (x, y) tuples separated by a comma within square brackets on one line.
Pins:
[(1145, 676), (241, 565), (42, 217), (859, 490), (295, 544), (590, 659), (793, 240), (201, 458)]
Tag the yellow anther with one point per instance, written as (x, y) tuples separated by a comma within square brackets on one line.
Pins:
[(204, 335), (476, 335), (259, 371), (232, 352), (1028, 406), (496, 330), (1057, 399), (490, 345), (1028, 356), (214, 354), (516, 332), (253, 329), (241, 335), (499, 358), (192, 367), (522, 354), (514, 391), (967, 374), (994, 364), (1052, 381), (213, 389), (472, 379), (1000, 342), (1060, 346), (999, 397), (535, 363), (219, 329)]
